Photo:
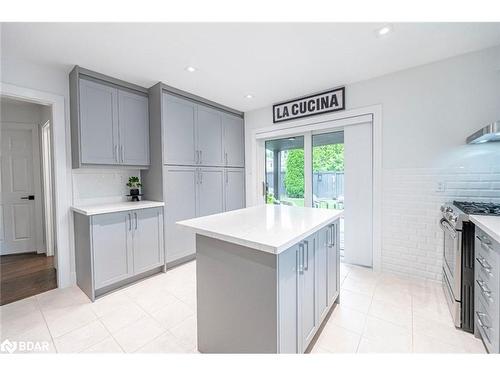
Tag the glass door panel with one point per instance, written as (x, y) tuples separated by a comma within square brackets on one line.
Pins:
[(285, 171), (328, 174)]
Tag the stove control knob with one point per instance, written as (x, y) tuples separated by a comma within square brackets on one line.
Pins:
[(454, 218), (444, 208)]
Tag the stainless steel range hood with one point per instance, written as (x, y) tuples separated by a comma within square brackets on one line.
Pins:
[(489, 133)]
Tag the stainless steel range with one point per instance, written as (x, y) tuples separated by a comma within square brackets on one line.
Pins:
[(458, 251)]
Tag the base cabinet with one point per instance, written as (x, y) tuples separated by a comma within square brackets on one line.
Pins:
[(487, 290), (308, 280), (115, 248)]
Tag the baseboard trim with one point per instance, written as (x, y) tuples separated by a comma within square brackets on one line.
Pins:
[(180, 261)]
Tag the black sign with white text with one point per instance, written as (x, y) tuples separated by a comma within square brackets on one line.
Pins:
[(328, 101)]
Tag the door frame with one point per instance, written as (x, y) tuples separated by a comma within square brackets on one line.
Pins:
[(62, 175), (37, 178), (331, 121)]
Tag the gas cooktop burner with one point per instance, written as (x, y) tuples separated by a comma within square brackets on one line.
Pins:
[(478, 208)]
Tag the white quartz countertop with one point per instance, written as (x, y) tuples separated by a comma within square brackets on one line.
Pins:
[(269, 228), (489, 224), (105, 208)]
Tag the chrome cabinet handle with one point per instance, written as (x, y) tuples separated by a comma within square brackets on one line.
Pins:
[(301, 258), (197, 157), (201, 177), (480, 322), (122, 153), (484, 290), (307, 255), (201, 156), (129, 222), (484, 263), (225, 158), (227, 177), (485, 242), (334, 235), (135, 216), (115, 154)]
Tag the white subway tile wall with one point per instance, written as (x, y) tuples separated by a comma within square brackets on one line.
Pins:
[(94, 186), (412, 241)]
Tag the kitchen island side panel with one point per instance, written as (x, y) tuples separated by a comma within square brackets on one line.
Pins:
[(236, 298)]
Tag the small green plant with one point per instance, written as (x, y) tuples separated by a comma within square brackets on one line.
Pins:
[(270, 199), (134, 182)]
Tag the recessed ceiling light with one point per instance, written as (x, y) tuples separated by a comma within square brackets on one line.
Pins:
[(384, 30), (190, 69), (249, 96)]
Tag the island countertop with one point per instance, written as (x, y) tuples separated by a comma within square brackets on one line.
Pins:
[(489, 224), (269, 228)]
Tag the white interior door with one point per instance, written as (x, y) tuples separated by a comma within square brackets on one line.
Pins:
[(358, 194), (20, 179)]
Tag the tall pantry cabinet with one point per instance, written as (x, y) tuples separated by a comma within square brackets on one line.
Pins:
[(197, 163)]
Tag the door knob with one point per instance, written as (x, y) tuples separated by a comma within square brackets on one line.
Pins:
[(29, 197)]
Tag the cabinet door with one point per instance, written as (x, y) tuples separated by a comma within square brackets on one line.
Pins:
[(234, 141), (288, 262), (179, 130), (209, 136), (133, 117), (322, 241), (148, 239), (333, 262), (112, 248), (234, 189), (180, 204), (307, 292), (98, 123), (210, 197)]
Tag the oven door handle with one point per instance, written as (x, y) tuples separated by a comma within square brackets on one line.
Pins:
[(448, 228)]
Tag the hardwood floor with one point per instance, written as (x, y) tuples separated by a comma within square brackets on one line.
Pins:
[(25, 275)]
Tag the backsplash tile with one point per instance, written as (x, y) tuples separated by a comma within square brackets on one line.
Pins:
[(412, 241), (94, 186)]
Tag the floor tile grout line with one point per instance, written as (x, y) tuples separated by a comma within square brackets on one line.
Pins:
[(46, 324)]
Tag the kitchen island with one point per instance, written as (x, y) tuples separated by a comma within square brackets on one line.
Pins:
[(267, 277)]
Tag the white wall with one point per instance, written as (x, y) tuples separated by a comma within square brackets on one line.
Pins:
[(90, 186), (428, 112)]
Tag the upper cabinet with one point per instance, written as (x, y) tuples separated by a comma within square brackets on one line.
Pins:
[(196, 134), (234, 141), (179, 130), (109, 123)]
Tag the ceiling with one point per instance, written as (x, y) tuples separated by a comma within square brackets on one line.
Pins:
[(272, 62)]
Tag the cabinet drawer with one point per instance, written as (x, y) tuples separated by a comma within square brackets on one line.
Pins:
[(488, 295), (487, 248), (487, 327)]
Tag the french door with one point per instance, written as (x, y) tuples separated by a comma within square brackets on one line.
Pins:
[(330, 169)]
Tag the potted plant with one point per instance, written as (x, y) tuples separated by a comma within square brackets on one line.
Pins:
[(134, 184)]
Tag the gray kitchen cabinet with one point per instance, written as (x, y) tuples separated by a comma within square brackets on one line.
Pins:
[(109, 121), (210, 191), (307, 291), (322, 270), (133, 118), (234, 189), (179, 130), (487, 290), (288, 268), (234, 141), (148, 239), (181, 185), (114, 249), (99, 138), (304, 293), (209, 136), (333, 260)]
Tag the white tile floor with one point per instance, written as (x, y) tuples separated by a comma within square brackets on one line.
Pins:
[(377, 313)]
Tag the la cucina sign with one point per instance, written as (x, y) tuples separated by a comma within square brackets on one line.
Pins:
[(328, 101)]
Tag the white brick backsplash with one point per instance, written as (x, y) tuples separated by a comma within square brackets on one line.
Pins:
[(411, 236)]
